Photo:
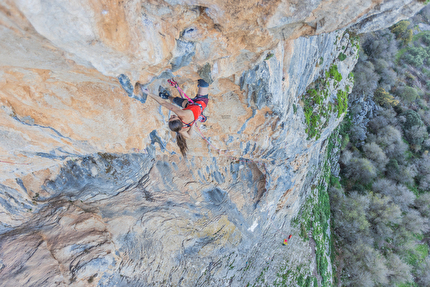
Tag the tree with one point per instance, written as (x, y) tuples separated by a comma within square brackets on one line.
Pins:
[(350, 216), (382, 214), (415, 56), (361, 169), (399, 271), (408, 94), (416, 136), (400, 194), (414, 222), (390, 140), (423, 273), (365, 266), (376, 154), (384, 99), (422, 203), (366, 80), (412, 119), (399, 28)]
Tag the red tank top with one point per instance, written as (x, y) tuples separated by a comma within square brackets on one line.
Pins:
[(197, 111)]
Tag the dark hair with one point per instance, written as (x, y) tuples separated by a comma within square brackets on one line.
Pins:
[(176, 126)]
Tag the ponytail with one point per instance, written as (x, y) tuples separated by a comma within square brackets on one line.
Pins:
[(176, 126)]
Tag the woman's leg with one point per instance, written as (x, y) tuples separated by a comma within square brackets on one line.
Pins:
[(203, 88), (179, 101)]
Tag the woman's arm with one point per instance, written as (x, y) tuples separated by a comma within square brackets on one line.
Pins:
[(167, 105)]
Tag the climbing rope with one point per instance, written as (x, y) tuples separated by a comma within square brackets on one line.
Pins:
[(10, 162), (173, 83)]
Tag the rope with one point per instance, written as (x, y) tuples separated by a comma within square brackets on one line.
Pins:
[(13, 162), (173, 83)]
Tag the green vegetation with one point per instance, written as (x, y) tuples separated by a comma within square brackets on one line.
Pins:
[(342, 56), (380, 203), (314, 217), (318, 107), (269, 56), (322, 99)]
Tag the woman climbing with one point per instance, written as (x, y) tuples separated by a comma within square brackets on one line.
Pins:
[(183, 120)]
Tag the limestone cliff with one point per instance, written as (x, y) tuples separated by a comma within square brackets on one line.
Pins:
[(93, 191)]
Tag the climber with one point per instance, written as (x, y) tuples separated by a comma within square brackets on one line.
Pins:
[(183, 120)]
